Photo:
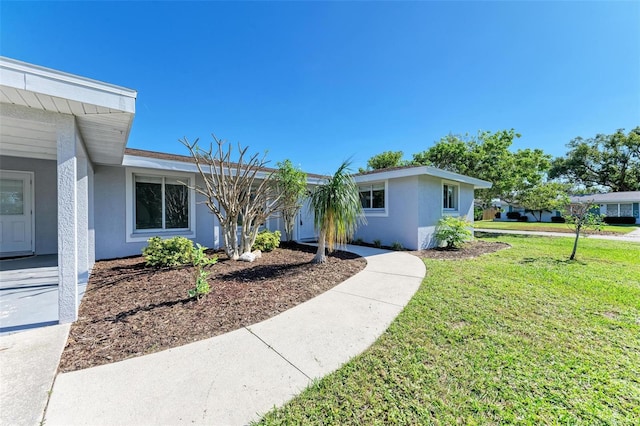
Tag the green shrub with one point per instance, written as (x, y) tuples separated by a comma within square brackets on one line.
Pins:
[(453, 231), (170, 252), (513, 215), (200, 260), (397, 246), (558, 219), (267, 241), (377, 243), (622, 220)]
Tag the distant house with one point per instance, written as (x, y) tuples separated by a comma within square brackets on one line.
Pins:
[(403, 205), (69, 186), (614, 204)]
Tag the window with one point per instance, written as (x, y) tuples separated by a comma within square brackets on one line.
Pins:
[(372, 196), (449, 196), (620, 209), (161, 203)]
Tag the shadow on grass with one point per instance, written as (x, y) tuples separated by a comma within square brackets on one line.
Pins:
[(551, 261)]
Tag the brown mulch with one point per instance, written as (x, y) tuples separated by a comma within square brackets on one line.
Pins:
[(130, 309), (467, 251)]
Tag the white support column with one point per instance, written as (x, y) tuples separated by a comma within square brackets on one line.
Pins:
[(67, 221), (82, 213)]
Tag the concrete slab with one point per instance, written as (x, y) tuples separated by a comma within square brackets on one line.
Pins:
[(229, 379), (381, 287), (28, 363)]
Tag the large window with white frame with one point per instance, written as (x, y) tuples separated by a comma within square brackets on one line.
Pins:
[(159, 203), (372, 196), (450, 196)]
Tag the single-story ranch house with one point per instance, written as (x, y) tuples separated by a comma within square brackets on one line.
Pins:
[(69, 185), (611, 204)]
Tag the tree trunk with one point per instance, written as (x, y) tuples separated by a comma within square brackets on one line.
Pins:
[(575, 244), (230, 237), (320, 256)]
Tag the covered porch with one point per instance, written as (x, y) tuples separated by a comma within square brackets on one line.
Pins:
[(55, 128)]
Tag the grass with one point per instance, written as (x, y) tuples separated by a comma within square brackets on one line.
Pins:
[(549, 227), (519, 336)]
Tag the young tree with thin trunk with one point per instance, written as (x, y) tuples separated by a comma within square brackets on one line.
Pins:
[(337, 209), (581, 217), (236, 192), (292, 184)]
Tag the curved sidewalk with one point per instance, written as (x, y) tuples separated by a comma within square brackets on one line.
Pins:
[(237, 377)]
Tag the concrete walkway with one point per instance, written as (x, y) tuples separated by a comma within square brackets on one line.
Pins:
[(633, 236), (237, 377)]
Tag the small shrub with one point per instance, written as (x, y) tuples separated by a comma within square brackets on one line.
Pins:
[(397, 246), (498, 215), (621, 220), (478, 212), (358, 241), (267, 241), (200, 260), (168, 253), (558, 219), (453, 231), (377, 243), (523, 219), (514, 215)]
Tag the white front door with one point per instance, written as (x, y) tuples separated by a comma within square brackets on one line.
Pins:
[(305, 227), (16, 213)]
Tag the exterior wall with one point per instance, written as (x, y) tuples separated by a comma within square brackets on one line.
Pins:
[(110, 217), (431, 208), (46, 201), (401, 222)]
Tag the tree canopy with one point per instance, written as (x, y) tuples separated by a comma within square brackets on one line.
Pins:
[(609, 162), (384, 160), (292, 185), (546, 196), (487, 156)]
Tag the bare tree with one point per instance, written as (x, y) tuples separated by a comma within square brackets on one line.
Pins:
[(581, 217), (240, 193)]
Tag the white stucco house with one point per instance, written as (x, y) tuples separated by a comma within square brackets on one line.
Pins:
[(69, 186), (614, 204)]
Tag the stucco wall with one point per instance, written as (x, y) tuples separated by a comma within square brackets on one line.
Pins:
[(401, 223), (110, 217), (46, 201)]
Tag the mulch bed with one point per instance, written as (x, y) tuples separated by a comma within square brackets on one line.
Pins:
[(130, 309), (467, 251)]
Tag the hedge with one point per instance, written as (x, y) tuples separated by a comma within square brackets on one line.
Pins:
[(620, 220), (558, 219), (513, 215)]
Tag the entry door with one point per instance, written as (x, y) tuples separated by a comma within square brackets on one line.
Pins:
[(306, 230), (16, 212)]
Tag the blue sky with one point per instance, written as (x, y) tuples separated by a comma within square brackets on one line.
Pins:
[(318, 82)]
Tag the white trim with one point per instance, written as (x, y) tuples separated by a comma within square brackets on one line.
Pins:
[(133, 236), (449, 211), (422, 170), (377, 212)]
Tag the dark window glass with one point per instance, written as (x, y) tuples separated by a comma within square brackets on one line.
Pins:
[(148, 205), (176, 206)]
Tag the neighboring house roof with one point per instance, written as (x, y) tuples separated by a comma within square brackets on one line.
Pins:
[(165, 161), (399, 172), (104, 112), (610, 197)]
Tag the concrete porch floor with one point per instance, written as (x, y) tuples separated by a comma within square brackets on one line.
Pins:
[(28, 293)]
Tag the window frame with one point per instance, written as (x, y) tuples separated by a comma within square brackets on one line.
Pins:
[(375, 211), (456, 186), (139, 235)]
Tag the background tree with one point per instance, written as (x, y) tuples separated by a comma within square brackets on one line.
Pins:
[(292, 185), (384, 160), (234, 191), (337, 211), (580, 216), (547, 196), (487, 156), (608, 161)]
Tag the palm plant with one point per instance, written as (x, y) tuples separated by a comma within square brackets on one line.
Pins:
[(337, 211)]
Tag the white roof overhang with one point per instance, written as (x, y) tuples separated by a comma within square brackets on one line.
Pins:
[(422, 170), (104, 112)]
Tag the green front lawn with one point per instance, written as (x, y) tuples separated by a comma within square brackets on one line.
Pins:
[(517, 336), (547, 227)]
